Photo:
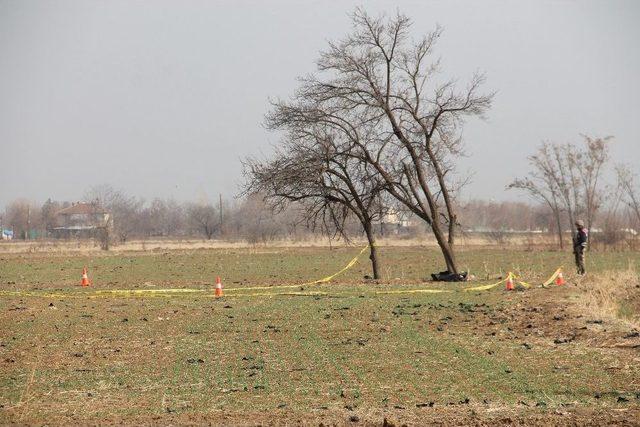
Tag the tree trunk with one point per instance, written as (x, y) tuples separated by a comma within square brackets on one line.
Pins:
[(373, 251), (103, 236), (452, 230), (445, 247), (559, 225)]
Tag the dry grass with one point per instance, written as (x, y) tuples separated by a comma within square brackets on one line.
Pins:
[(148, 245), (614, 295)]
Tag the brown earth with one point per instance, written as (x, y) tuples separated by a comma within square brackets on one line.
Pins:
[(530, 318), (70, 337)]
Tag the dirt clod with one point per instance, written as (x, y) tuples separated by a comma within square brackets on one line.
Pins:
[(425, 405)]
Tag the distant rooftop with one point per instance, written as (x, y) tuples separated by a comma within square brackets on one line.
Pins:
[(82, 208)]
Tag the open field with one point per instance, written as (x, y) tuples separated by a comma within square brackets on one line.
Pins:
[(532, 240), (337, 353)]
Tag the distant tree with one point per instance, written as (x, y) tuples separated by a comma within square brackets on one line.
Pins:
[(482, 215), (256, 222), (48, 214), (590, 162), (611, 221), (568, 179), (175, 220), (163, 218), (542, 185), (22, 217), (204, 218), (630, 193), (124, 210)]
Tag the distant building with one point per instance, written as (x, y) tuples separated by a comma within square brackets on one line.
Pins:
[(396, 218), (394, 222), (80, 220)]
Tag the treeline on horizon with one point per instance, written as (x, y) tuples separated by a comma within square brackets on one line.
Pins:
[(250, 219)]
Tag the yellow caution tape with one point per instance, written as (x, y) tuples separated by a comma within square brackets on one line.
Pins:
[(483, 287), (552, 278), (520, 282), (101, 294), (150, 291), (176, 291), (271, 294), (415, 291), (315, 282), (32, 294), (345, 268)]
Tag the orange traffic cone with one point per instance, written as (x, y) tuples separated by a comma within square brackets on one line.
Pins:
[(559, 279), (85, 278), (510, 286), (218, 287)]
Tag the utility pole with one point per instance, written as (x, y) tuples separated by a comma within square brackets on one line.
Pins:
[(28, 222), (220, 209)]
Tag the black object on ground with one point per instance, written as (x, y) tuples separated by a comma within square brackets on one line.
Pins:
[(447, 276)]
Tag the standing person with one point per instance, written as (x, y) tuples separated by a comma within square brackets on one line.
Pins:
[(580, 245)]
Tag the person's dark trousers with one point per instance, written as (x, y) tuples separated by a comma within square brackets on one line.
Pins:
[(580, 261)]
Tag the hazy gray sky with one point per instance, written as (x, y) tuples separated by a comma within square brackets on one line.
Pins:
[(162, 98)]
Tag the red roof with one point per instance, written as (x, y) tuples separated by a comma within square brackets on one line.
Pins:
[(82, 208)]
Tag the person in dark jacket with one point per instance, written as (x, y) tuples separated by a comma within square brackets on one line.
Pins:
[(580, 245)]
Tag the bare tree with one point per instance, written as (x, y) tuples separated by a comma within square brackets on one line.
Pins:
[(567, 179), (162, 218), (23, 217), (256, 222), (589, 164), (315, 168), (483, 215), (563, 170), (378, 90), (204, 218), (630, 192), (173, 220), (611, 223), (48, 213), (542, 184), (124, 209), (577, 174)]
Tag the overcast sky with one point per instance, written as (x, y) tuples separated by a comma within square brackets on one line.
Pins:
[(163, 98)]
